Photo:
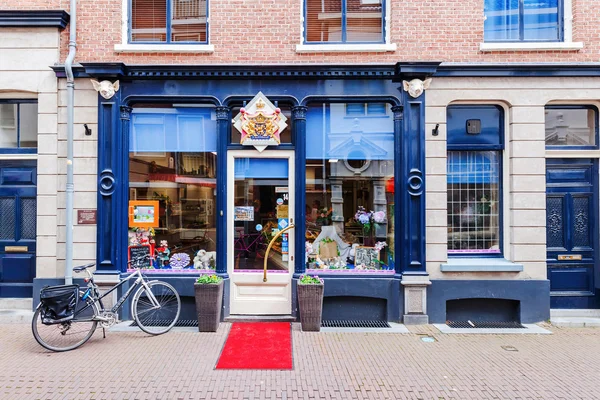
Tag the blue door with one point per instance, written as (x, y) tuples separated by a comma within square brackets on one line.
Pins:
[(572, 232), (18, 206)]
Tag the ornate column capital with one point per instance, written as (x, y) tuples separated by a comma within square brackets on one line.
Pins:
[(125, 113), (398, 112), (222, 112), (299, 112)]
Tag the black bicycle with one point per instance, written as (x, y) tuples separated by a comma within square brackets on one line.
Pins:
[(68, 316)]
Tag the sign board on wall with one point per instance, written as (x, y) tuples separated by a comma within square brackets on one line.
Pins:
[(86, 217)]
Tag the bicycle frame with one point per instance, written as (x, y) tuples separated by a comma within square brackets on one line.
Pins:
[(139, 280)]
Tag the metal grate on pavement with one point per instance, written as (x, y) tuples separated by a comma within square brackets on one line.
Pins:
[(179, 323), (485, 324), (354, 324)]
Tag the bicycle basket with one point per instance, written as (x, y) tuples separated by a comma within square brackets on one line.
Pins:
[(58, 303)]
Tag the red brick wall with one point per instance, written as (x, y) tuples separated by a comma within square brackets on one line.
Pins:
[(266, 32)]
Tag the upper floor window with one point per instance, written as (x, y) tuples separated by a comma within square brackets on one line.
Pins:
[(572, 126), (169, 21), (344, 21), (18, 124), (523, 20)]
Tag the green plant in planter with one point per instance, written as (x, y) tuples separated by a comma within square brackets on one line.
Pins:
[(310, 280), (209, 279)]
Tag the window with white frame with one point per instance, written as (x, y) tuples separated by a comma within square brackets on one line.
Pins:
[(344, 21), (169, 21), (523, 20), (18, 124), (474, 179)]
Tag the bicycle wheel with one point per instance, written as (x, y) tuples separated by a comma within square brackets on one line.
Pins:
[(156, 320), (68, 335)]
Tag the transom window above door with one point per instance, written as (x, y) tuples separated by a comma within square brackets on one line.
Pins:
[(168, 21), (344, 21), (523, 20)]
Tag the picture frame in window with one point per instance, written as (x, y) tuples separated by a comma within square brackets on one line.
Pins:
[(367, 256), (143, 214)]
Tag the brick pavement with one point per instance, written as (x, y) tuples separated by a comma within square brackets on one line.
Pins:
[(180, 365)]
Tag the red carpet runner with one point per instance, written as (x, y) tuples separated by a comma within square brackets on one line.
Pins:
[(257, 345)]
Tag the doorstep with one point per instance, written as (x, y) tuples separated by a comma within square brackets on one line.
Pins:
[(575, 318)]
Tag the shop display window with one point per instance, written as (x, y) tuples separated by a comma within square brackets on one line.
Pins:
[(474, 177), (349, 189), (172, 188)]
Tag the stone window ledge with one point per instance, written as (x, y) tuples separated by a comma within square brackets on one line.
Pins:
[(348, 48), (480, 265), (548, 46), (164, 48)]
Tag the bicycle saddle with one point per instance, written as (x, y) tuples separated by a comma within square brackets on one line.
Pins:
[(82, 267)]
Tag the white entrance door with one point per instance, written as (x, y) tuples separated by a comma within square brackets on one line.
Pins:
[(260, 189)]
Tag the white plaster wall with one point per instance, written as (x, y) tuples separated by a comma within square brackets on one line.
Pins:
[(26, 55), (524, 222), (85, 170)]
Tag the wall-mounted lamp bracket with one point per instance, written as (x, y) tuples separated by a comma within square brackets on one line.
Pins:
[(88, 131), (435, 131)]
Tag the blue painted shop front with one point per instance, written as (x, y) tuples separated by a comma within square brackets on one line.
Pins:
[(374, 92)]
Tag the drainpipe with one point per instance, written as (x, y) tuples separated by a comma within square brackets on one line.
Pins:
[(70, 106)]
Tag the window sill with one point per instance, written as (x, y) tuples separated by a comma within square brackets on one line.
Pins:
[(549, 46), (164, 48), (345, 48), (480, 265)]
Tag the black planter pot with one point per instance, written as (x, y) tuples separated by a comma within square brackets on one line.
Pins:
[(209, 300), (310, 301)]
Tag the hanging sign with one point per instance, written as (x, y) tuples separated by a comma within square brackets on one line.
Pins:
[(260, 123)]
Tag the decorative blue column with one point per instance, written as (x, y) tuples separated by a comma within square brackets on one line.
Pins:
[(398, 193), (111, 207), (299, 124), (223, 133)]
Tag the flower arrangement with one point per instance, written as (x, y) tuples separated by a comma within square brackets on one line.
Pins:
[(324, 216), (209, 279), (369, 219), (310, 280)]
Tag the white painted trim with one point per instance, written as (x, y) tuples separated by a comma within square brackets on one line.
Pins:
[(164, 48), (566, 45), (568, 21), (480, 265), (126, 47), (255, 279), (18, 156), (337, 48), (572, 153), (551, 46)]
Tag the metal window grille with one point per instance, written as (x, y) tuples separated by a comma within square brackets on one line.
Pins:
[(473, 202)]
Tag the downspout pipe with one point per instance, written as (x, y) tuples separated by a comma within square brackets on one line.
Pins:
[(70, 109)]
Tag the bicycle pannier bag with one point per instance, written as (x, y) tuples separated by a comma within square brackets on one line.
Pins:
[(58, 303)]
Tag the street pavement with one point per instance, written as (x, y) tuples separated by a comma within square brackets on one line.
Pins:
[(180, 365)]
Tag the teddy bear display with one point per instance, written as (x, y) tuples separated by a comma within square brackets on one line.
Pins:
[(205, 259)]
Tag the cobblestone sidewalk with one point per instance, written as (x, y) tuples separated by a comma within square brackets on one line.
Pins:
[(180, 365)]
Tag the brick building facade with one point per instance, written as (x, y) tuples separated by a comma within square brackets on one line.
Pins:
[(531, 243)]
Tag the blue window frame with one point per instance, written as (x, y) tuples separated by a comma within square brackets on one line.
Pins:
[(168, 21), (474, 180), (18, 126), (344, 21), (571, 127), (523, 21)]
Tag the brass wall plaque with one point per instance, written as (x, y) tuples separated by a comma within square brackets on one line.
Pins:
[(569, 257), (16, 249)]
